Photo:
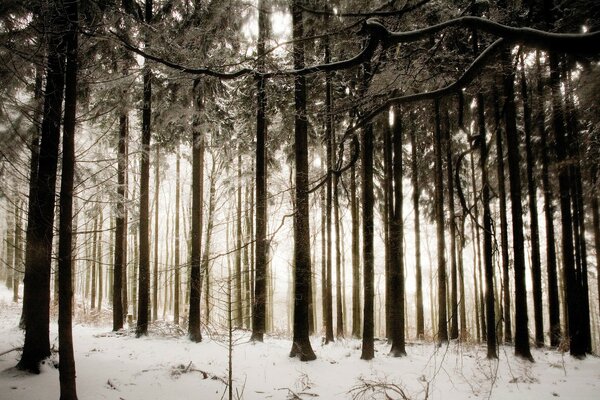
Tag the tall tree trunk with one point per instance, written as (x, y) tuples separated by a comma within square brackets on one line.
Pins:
[(536, 268), (355, 255), (551, 269), (68, 388), (439, 219), (144, 232), (156, 205), (368, 348), (41, 219), (100, 261), (205, 266), (301, 344), (329, 195), (514, 163), (239, 315), (417, 229), (195, 280), (93, 282), (487, 232), (503, 221), (338, 257), (475, 226), (18, 256), (387, 216), (397, 241), (120, 262), (177, 261), (33, 169), (452, 227), (260, 275)]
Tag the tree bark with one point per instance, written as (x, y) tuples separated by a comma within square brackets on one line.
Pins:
[(260, 275), (417, 229), (536, 268), (487, 232), (514, 163), (503, 222), (156, 212), (238, 311), (355, 255), (368, 347), (195, 280), (301, 346), (452, 228), (41, 219), (397, 315), (177, 261), (144, 231), (439, 219), (68, 387)]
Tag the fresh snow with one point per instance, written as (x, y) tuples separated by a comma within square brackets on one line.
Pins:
[(166, 366)]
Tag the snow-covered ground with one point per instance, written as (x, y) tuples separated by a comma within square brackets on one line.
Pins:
[(162, 366)]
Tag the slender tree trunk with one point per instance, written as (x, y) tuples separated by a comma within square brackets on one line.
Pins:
[(33, 171), (387, 216), (452, 226), (100, 261), (41, 219), (551, 269), (120, 261), (368, 347), (156, 205), (396, 242), (205, 266), (536, 267), (301, 344), (487, 233), (514, 163), (338, 259), (195, 280), (18, 256), (439, 218), (260, 265), (503, 222), (239, 315), (417, 229), (177, 261), (144, 232), (68, 388), (93, 282), (355, 255), (329, 195)]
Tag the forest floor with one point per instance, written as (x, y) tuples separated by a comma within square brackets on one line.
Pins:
[(165, 365)]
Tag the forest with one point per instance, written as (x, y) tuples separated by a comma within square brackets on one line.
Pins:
[(351, 185)]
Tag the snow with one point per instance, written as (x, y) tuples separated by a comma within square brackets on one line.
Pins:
[(164, 366)]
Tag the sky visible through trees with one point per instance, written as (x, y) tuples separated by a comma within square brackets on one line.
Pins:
[(419, 171)]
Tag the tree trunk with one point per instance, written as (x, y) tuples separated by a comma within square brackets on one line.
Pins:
[(301, 344), (100, 261), (417, 216), (156, 205), (514, 163), (144, 232), (120, 262), (397, 316), (503, 222), (553, 298), (205, 266), (68, 389), (355, 255), (239, 315), (93, 282), (487, 233), (329, 195), (40, 220), (368, 347), (177, 261), (452, 226), (260, 275), (439, 219), (195, 280), (536, 273)]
